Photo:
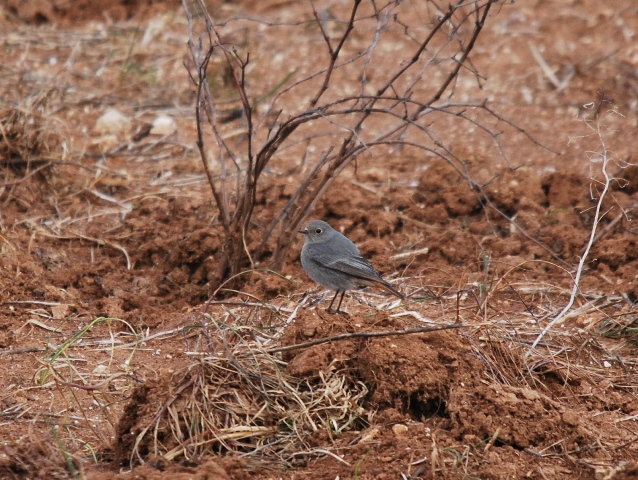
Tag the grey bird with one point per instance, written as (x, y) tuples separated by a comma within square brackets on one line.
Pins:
[(334, 262)]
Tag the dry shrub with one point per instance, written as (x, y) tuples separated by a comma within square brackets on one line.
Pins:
[(351, 99)]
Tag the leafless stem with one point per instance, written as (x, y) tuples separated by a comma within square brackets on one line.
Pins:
[(334, 53), (201, 93), (386, 333), (604, 155)]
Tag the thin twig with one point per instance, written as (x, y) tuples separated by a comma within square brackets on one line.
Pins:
[(334, 53), (590, 243), (386, 333)]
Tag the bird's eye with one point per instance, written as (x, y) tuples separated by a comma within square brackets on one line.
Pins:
[(318, 231)]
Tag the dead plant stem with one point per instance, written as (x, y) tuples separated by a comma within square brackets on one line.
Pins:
[(590, 243), (386, 333)]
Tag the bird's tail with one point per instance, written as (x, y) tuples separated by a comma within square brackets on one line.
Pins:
[(386, 286)]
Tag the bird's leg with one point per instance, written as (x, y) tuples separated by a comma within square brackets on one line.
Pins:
[(339, 306), (329, 309), (340, 312)]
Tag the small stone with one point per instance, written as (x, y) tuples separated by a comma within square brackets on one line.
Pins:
[(370, 435), (60, 311), (399, 430), (570, 418), (112, 121), (163, 125)]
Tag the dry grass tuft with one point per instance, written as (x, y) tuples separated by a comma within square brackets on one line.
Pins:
[(568, 359), (236, 397), (28, 131)]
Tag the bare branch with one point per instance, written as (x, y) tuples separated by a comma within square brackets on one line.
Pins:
[(334, 54), (387, 333), (604, 155)]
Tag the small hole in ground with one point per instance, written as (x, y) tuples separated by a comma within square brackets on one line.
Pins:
[(419, 406)]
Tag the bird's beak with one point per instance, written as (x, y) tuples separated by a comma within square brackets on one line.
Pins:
[(302, 231)]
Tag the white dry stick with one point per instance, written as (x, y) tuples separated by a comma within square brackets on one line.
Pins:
[(592, 236), (559, 85)]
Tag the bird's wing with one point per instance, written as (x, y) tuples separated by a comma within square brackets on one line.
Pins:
[(357, 266)]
